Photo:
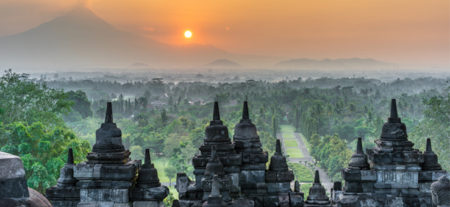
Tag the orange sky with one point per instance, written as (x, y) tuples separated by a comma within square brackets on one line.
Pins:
[(401, 31)]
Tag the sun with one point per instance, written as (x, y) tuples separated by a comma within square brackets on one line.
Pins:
[(187, 34)]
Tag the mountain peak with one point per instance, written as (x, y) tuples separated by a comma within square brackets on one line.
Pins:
[(80, 11), (82, 16), (223, 63)]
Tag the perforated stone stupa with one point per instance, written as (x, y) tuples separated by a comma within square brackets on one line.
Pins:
[(393, 173), (234, 173), (108, 177)]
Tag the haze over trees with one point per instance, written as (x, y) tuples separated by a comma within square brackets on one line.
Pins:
[(41, 118)]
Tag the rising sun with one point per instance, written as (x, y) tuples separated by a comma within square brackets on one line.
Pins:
[(188, 34)]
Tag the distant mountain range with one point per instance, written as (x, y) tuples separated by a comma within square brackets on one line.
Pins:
[(223, 63), (82, 39), (344, 63)]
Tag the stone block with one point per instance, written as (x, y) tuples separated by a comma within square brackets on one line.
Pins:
[(278, 187), (351, 175), (368, 175), (397, 179), (431, 176), (103, 184), (148, 204), (249, 178), (149, 194), (279, 176), (104, 195), (103, 204), (12, 177), (64, 203), (296, 199), (86, 171)]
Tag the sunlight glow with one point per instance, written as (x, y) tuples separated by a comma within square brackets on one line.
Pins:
[(188, 34)]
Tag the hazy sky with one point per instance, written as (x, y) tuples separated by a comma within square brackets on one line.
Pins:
[(401, 31)]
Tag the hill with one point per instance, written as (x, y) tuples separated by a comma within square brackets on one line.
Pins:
[(223, 63), (344, 63)]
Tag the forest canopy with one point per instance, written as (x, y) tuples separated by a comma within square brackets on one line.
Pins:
[(41, 118)]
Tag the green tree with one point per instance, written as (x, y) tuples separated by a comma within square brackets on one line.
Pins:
[(42, 151), (164, 117), (22, 99), (81, 103), (436, 126), (32, 128)]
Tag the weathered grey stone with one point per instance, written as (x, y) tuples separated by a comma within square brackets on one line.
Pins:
[(240, 168), (12, 177), (109, 178), (65, 193), (317, 195), (359, 159), (107, 195), (440, 191), (398, 176), (430, 159), (13, 185), (104, 204), (148, 204)]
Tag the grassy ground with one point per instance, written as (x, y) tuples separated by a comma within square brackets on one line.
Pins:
[(287, 131), (304, 187), (302, 173), (294, 153), (173, 191), (290, 143), (160, 165)]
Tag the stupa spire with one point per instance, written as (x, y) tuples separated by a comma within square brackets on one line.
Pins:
[(393, 118), (394, 113), (109, 114), (359, 159), (148, 160), (216, 113), (430, 159), (359, 149), (429, 149), (317, 177), (245, 114), (278, 148), (317, 195), (394, 129), (70, 157)]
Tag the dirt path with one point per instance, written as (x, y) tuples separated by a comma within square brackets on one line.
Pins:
[(325, 180)]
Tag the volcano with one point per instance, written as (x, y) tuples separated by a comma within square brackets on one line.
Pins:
[(81, 39)]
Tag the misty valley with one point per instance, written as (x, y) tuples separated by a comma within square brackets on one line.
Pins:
[(140, 103), (45, 114)]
